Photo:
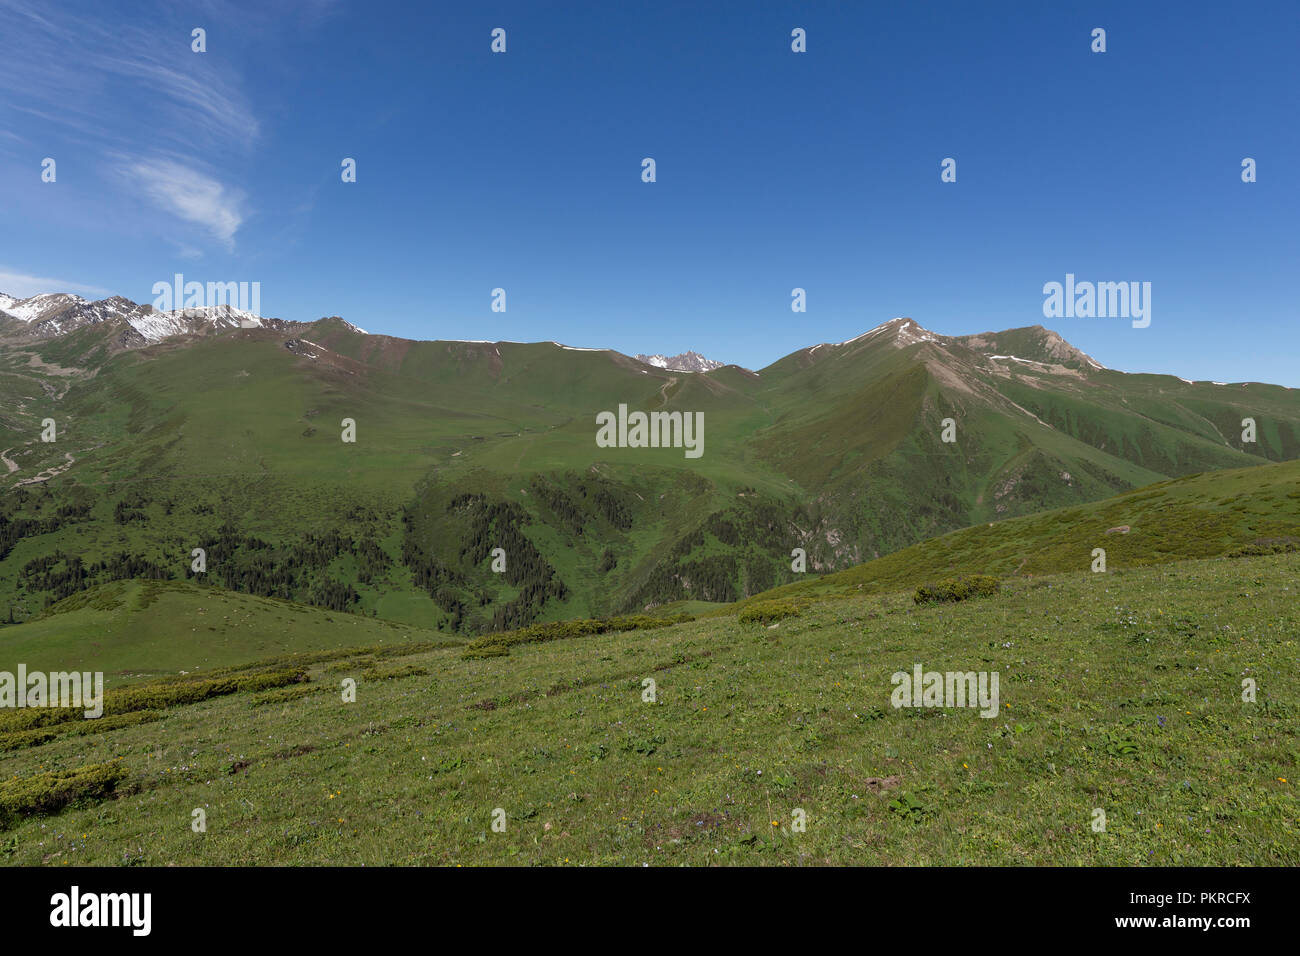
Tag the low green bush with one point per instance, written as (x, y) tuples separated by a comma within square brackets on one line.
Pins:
[(1264, 546), (283, 695), (154, 695), (768, 612), (18, 739), (33, 737), (393, 673), (50, 792), (558, 630), (485, 650), (957, 589)]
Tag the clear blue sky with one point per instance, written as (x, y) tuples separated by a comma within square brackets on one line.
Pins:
[(775, 169)]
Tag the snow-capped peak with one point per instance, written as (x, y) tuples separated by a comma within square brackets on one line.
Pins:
[(685, 362), (38, 307), (907, 332), (57, 313), (156, 326)]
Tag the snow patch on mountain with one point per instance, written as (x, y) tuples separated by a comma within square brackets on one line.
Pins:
[(685, 362), (156, 326), (57, 313), (37, 307), (1017, 358), (907, 332), (870, 332)]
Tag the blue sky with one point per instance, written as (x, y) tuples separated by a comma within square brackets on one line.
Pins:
[(775, 170)]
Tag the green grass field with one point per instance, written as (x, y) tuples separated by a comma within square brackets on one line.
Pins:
[(1197, 516), (1120, 692), (136, 629)]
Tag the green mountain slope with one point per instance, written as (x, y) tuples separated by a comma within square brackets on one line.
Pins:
[(231, 443), (133, 629), (1118, 692), (1198, 516)]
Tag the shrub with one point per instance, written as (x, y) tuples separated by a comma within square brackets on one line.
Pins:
[(957, 589), (51, 792), (485, 650), (1262, 546), (282, 696), (393, 673), (768, 612), (153, 695), (41, 735), (32, 737), (558, 630)]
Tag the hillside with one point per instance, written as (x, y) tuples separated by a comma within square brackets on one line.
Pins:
[(1251, 509), (131, 630), (1119, 692), (228, 439)]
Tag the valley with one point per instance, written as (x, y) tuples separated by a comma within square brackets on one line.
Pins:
[(226, 438)]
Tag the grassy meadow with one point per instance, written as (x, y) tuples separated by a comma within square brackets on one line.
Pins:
[(1120, 692)]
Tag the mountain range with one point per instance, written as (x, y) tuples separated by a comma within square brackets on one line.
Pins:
[(685, 362), (227, 433), (57, 313)]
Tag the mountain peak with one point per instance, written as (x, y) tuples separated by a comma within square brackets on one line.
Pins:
[(57, 313), (903, 330), (1032, 343), (36, 308), (685, 362)]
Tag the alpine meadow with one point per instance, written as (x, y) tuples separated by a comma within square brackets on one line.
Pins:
[(417, 449)]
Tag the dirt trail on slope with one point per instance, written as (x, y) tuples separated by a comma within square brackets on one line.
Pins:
[(49, 473), (9, 463), (663, 391)]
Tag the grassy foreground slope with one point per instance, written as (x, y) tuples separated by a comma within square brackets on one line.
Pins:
[(133, 629), (1120, 692), (1197, 516)]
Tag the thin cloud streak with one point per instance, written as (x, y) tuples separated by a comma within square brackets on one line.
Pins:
[(23, 285), (189, 194), (112, 86)]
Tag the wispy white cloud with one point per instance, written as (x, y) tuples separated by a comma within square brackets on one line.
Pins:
[(107, 83), (84, 69), (189, 194), (22, 285), (201, 101)]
